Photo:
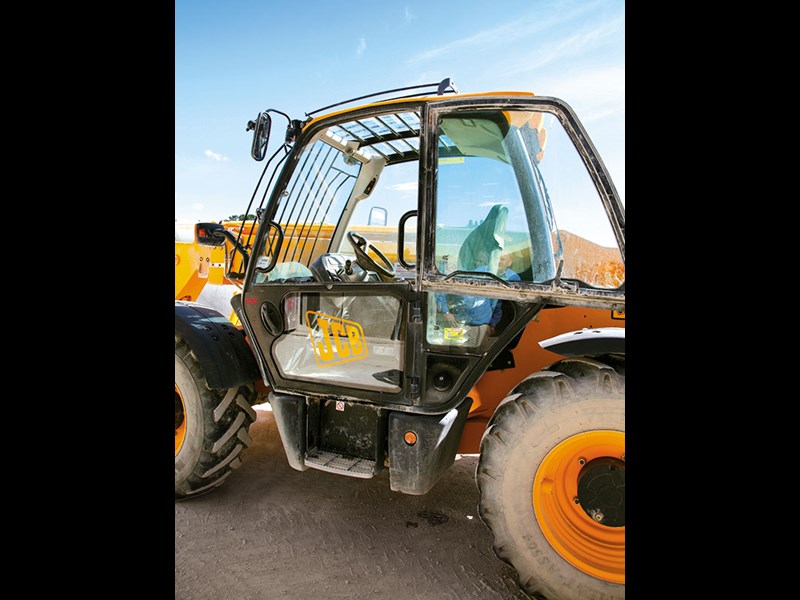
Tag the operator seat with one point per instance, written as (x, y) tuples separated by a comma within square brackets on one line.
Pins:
[(484, 245), (481, 252)]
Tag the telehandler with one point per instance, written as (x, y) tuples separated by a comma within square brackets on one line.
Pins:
[(426, 274)]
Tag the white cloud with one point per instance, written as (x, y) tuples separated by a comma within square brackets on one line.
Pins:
[(589, 116), (362, 45), (502, 35), (215, 155), (594, 93), (411, 186), (198, 206), (572, 45)]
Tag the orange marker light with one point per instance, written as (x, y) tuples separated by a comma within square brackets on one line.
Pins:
[(410, 438)]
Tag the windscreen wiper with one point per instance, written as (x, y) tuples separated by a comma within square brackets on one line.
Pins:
[(479, 274)]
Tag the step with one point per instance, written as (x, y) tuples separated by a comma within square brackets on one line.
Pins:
[(341, 464)]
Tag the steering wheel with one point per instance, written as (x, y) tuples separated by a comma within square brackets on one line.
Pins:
[(361, 246)]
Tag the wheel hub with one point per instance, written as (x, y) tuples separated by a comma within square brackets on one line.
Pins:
[(601, 491), (579, 502)]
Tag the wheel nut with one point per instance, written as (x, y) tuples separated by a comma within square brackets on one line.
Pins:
[(576, 500), (581, 461), (598, 516)]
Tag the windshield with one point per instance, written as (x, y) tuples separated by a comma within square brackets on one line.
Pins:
[(515, 199)]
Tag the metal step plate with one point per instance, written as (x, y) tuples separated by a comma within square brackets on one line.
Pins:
[(339, 463)]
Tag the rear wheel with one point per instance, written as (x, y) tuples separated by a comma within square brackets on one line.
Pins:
[(211, 426), (552, 480)]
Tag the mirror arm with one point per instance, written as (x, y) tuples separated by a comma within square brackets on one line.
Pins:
[(225, 234)]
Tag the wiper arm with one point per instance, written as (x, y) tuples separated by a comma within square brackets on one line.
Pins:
[(556, 282)]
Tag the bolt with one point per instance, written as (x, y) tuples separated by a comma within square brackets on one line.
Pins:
[(576, 500), (581, 461), (598, 516)]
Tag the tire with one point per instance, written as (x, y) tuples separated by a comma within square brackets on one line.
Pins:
[(211, 427), (555, 442)]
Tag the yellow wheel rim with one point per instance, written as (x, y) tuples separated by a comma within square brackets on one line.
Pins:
[(594, 544), (180, 420)]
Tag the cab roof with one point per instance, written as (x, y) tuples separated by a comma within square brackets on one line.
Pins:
[(394, 135)]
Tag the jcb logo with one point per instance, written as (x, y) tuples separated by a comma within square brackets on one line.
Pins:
[(342, 340)]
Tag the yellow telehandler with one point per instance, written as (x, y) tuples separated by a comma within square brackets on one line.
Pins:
[(426, 274)]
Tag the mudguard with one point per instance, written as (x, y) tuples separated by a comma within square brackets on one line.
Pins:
[(221, 349), (588, 341), (415, 469), (290, 416)]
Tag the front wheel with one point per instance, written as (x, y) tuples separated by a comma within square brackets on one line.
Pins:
[(211, 426), (552, 480)]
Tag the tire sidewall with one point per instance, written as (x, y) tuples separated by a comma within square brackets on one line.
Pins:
[(529, 449), (189, 454)]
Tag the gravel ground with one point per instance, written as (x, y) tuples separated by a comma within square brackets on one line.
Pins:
[(272, 532)]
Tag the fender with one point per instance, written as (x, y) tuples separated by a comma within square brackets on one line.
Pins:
[(600, 340), (221, 349)]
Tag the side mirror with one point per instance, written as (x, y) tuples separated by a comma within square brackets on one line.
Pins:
[(205, 234), (261, 128)]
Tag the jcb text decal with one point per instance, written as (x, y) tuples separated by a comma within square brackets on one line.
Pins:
[(336, 341)]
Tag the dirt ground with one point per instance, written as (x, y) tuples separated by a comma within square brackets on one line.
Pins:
[(272, 532)]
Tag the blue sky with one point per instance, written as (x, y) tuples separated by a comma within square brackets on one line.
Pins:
[(236, 58)]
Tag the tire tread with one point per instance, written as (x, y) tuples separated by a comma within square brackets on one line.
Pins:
[(228, 415), (528, 402)]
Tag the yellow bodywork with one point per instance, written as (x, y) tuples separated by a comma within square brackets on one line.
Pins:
[(197, 266), (192, 263)]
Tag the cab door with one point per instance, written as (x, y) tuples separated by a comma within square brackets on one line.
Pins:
[(521, 213), (524, 208), (329, 299)]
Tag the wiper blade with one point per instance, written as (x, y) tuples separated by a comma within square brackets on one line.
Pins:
[(479, 274)]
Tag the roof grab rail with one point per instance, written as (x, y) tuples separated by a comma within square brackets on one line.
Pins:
[(443, 87)]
